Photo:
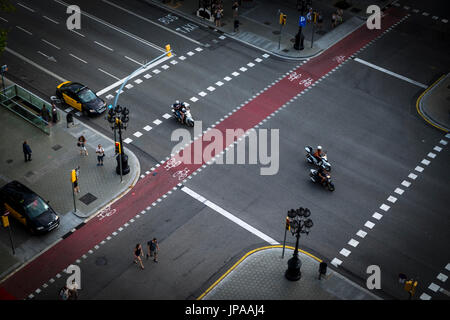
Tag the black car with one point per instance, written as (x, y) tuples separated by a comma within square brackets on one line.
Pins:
[(80, 97), (28, 208)]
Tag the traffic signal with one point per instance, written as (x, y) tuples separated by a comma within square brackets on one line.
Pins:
[(283, 19), (74, 176), (118, 148), (5, 221), (411, 287), (169, 54), (288, 224)]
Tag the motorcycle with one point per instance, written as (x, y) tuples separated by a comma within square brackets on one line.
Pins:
[(327, 183), (312, 159), (188, 120)]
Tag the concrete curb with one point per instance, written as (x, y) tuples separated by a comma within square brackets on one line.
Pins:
[(422, 112)]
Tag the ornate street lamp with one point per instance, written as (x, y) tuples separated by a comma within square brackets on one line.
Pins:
[(118, 119), (300, 223)]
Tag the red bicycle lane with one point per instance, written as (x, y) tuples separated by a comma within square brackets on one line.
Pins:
[(170, 174)]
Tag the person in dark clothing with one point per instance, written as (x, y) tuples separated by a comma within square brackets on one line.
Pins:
[(54, 113), (45, 114), (26, 151)]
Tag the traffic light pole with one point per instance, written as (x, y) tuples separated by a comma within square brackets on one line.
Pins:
[(121, 151)]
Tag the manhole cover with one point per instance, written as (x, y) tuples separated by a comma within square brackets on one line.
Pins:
[(56, 147), (29, 174), (276, 32), (267, 23), (88, 198), (9, 161), (101, 261)]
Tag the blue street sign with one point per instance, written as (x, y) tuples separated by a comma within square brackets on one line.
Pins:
[(302, 21)]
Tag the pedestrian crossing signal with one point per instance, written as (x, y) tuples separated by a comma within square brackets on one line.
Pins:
[(169, 53), (118, 148), (283, 19)]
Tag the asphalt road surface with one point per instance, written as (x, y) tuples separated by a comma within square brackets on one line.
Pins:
[(362, 112)]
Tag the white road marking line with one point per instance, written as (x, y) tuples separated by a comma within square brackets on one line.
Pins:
[(412, 176), (25, 7), (258, 59), (174, 62), (399, 191), (447, 267), (131, 59), (438, 149), (227, 78), (156, 71), (433, 287), (44, 54), (336, 262), (266, 55), (82, 35), (24, 30), (229, 216), (51, 44), (211, 89), (109, 96), (384, 207), (345, 252), (369, 224), (138, 81), (49, 19), (186, 104), (109, 74), (38, 291), (3, 19), (157, 122), (392, 199), (74, 56), (166, 116), (222, 37), (194, 99), (444, 20), (361, 233), (406, 7), (198, 49), (377, 216), (44, 285), (434, 17), (190, 53), (129, 86), (35, 65), (390, 73), (416, 10), (425, 162), (250, 64), (235, 74), (419, 169), (137, 134), (443, 142), (102, 45), (425, 14), (127, 140), (442, 277), (424, 296), (182, 58), (147, 76), (353, 243), (243, 69), (202, 94), (165, 67)]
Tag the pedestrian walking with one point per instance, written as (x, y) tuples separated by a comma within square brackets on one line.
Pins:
[(82, 144), (54, 113), (26, 151), (235, 8), (100, 154), (45, 114), (218, 15), (138, 254), (73, 291), (333, 20), (153, 249), (64, 293), (69, 119)]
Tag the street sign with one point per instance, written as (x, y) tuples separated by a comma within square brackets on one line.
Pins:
[(302, 21)]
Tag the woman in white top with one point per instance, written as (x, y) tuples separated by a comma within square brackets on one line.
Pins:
[(100, 154)]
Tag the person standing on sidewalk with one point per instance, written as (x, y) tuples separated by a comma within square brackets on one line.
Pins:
[(26, 151), (138, 254), (100, 154), (153, 249), (82, 144), (54, 113)]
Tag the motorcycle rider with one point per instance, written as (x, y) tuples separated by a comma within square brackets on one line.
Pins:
[(319, 154), (177, 107), (183, 109), (322, 174)]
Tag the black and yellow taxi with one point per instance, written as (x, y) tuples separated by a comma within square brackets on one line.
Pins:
[(80, 98), (28, 208)]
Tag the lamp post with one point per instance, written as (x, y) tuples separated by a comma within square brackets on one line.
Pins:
[(300, 223), (118, 119)]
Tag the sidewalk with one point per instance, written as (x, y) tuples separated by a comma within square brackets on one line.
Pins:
[(259, 275), (259, 23), (48, 174), (434, 104)]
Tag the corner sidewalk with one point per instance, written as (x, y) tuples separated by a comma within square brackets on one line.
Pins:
[(259, 26), (48, 174), (259, 275), (433, 105)]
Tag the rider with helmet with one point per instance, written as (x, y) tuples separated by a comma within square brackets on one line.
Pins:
[(319, 153), (177, 108), (322, 174)]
